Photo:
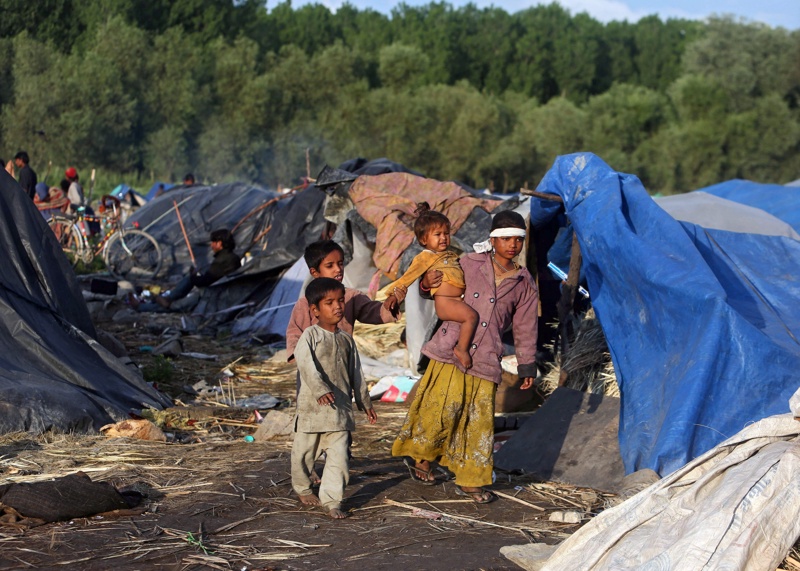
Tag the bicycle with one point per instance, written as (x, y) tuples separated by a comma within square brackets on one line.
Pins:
[(126, 252)]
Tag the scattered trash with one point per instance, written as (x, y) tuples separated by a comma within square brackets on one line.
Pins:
[(201, 356), (570, 516), (427, 514), (202, 388), (260, 401), (249, 438), (142, 429), (393, 388), (172, 347), (275, 424), (145, 349)]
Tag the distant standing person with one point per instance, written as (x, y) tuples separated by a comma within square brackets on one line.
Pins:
[(27, 176), (75, 191), (188, 179)]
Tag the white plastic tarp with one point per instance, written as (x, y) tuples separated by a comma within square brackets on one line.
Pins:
[(734, 507)]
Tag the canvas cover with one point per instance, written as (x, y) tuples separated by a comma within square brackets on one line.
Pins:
[(702, 325), (781, 201), (53, 372), (735, 507), (718, 213), (271, 232)]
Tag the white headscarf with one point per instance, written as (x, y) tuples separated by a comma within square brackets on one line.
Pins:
[(486, 246)]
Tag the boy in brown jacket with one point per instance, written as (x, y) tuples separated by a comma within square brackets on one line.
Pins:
[(325, 259)]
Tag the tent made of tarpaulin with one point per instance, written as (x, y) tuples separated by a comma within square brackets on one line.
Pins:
[(271, 231), (374, 217), (714, 212), (302, 221), (124, 192), (701, 324), (781, 201), (53, 372)]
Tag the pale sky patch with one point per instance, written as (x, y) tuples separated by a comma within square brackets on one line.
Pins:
[(784, 13)]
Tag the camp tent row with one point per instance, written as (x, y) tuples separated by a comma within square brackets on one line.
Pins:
[(699, 320)]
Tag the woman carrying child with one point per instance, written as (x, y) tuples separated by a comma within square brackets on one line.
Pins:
[(451, 420), (432, 230)]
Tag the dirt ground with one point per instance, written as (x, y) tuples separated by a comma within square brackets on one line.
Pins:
[(215, 501)]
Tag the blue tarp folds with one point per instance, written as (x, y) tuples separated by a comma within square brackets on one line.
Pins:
[(781, 201), (702, 325)]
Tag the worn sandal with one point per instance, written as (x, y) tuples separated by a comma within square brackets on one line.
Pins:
[(414, 472), (480, 497)]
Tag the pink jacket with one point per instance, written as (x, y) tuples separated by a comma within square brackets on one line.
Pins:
[(357, 306), (515, 303)]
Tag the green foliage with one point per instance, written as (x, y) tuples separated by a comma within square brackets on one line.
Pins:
[(402, 66), (159, 370), (146, 90)]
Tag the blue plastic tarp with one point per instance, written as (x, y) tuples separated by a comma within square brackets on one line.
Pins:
[(781, 201), (702, 325)]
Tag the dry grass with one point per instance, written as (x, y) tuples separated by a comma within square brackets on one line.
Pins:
[(216, 502)]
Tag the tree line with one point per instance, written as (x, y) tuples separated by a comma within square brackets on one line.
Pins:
[(150, 89)]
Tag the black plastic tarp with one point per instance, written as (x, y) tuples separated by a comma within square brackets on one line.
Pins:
[(271, 232), (53, 372)]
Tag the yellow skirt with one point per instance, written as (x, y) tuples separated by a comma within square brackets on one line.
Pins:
[(451, 421)]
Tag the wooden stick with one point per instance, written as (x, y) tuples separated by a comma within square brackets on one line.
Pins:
[(542, 195), (183, 229), (452, 516), (519, 501)]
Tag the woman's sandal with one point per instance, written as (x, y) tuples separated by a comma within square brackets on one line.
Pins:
[(482, 496), (414, 472)]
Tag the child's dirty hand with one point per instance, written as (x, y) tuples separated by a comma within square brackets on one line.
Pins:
[(372, 415), (326, 399), (431, 279), (399, 293)]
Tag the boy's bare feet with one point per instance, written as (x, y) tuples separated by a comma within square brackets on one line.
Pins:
[(463, 356), (309, 500), (336, 513)]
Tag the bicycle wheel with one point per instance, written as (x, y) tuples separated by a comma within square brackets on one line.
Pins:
[(69, 237), (132, 254)]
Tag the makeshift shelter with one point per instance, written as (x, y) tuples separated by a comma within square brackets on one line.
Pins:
[(129, 195), (714, 212), (734, 507), (53, 372), (701, 324), (781, 201), (271, 232), (373, 213), (305, 220)]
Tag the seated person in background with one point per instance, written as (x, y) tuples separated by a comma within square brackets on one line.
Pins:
[(50, 201), (225, 262)]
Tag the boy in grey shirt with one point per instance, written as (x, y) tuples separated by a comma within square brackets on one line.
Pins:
[(330, 374)]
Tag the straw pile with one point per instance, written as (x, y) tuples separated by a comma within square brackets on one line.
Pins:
[(587, 364)]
